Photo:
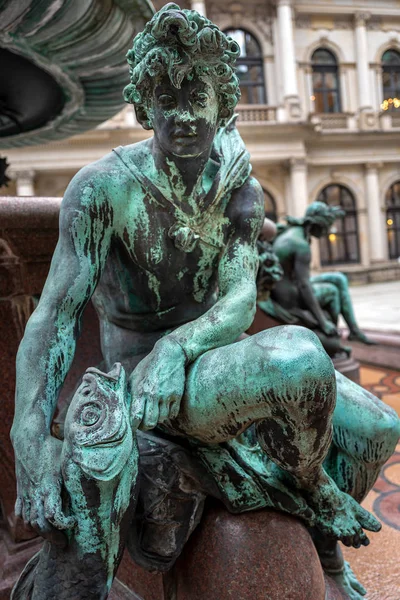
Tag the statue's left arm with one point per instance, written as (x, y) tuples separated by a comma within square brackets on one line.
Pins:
[(157, 384)]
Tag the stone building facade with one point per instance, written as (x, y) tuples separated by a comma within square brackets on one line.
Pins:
[(320, 115)]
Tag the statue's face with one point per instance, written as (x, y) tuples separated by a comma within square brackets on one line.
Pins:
[(185, 120)]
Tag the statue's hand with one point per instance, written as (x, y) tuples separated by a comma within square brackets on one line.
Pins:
[(329, 328), (39, 481), (157, 385)]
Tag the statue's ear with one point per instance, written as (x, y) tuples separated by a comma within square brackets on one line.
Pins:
[(143, 118)]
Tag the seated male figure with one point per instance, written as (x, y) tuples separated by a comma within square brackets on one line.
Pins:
[(162, 234)]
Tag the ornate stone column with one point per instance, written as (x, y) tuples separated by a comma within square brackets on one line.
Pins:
[(298, 187), (376, 220), (288, 59), (367, 118), (24, 181)]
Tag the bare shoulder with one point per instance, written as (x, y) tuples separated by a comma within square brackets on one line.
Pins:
[(104, 182), (246, 208)]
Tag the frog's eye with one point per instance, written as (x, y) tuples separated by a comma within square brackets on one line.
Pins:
[(90, 414), (166, 100)]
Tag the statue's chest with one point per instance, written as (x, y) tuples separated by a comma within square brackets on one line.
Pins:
[(168, 244)]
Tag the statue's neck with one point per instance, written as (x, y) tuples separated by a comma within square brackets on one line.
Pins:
[(188, 168)]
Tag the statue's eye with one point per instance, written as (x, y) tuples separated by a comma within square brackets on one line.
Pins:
[(90, 414), (200, 98), (166, 100)]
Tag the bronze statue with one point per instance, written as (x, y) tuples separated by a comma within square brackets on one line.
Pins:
[(162, 236), (312, 301)]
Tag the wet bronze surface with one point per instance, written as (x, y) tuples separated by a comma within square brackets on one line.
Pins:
[(378, 565)]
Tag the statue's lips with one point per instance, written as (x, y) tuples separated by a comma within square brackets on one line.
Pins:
[(181, 134)]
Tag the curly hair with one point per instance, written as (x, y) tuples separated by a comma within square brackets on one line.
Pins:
[(181, 43)]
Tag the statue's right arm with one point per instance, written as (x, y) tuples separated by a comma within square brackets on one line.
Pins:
[(47, 349)]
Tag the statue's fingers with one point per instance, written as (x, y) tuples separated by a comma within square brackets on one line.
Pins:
[(42, 525), (26, 511), (38, 521), (54, 513), (137, 411), (151, 414), (366, 542), (174, 408), (18, 507), (347, 541), (164, 411)]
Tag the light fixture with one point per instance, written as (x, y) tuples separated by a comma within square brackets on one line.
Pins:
[(332, 237), (389, 221)]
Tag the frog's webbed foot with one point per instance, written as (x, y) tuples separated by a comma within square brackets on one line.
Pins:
[(348, 582)]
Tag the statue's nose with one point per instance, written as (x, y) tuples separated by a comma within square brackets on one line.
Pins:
[(184, 117)]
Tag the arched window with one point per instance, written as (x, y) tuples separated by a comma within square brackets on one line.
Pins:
[(270, 206), (393, 219), (326, 92), (249, 67), (341, 245), (391, 80)]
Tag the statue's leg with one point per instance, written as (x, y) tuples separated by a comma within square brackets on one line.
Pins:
[(340, 281), (328, 297), (283, 380), (365, 434)]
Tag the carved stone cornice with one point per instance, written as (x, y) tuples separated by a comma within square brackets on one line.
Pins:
[(361, 18), (373, 166), (297, 163)]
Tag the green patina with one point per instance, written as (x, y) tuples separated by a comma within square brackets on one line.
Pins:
[(296, 296), (163, 235)]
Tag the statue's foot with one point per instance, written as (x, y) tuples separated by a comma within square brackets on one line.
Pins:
[(340, 516), (348, 582), (358, 336)]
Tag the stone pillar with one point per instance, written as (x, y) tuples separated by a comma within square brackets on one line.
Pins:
[(298, 187), (367, 118), (24, 181), (309, 89), (199, 6), (376, 220), (288, 59)]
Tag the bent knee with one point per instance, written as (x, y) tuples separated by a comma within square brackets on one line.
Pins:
[(311, 368), (386, 430), (341, 280)]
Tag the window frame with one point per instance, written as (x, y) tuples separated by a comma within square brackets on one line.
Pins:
[(391, 69), (326, 69), (344, 234), (251, 61), (393, 212)]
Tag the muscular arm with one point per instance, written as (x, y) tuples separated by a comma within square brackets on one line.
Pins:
[(157, 383), (47, 349), (302, 261)]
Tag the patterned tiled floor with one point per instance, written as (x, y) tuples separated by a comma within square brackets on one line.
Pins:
[(378, 565)]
